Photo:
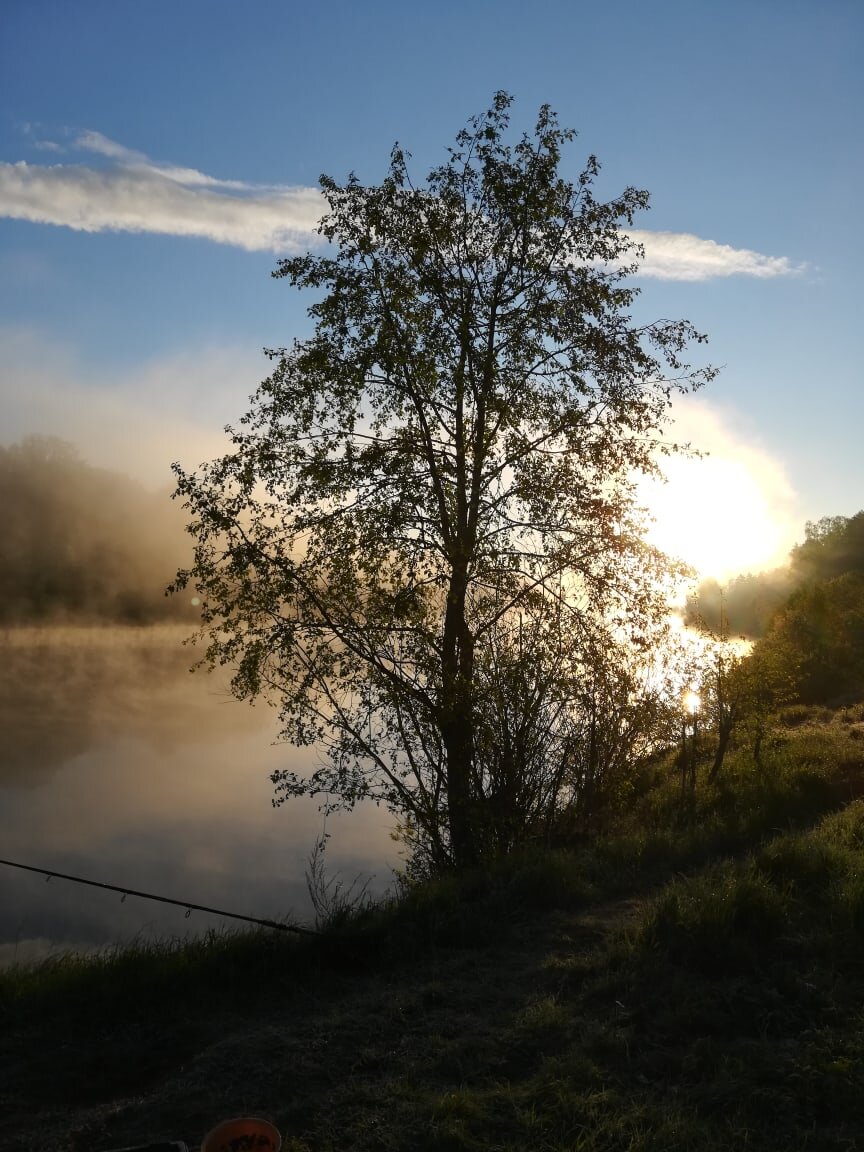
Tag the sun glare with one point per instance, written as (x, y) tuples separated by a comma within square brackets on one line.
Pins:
[(719, 514), (692, 702)]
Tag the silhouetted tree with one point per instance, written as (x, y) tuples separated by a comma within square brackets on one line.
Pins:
[(453, 446), (832, 547), (820, 634)]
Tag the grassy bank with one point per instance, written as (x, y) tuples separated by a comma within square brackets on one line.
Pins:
[(684, 981)]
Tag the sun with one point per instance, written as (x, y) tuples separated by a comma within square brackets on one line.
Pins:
[(692, 702), (722, 514)]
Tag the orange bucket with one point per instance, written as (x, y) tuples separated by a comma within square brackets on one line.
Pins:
[(243, 1134)]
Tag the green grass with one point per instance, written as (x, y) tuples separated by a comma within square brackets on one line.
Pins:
[(683, 982), (746, 985)]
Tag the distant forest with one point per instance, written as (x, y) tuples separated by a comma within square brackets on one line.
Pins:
[(808, 616), (79, 542)]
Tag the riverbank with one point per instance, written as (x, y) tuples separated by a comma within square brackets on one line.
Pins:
[(695, 987)]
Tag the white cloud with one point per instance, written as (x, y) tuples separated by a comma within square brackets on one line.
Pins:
[(132, 193), (135, 195), (100, 145), (31, 131), (46, 146), (682, 256)]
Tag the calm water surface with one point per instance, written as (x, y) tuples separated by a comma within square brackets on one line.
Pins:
[(118, 765)]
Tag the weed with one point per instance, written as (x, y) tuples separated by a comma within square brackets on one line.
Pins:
[(334, 903)]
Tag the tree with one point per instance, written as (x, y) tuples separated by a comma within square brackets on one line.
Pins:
[(454, 446), (564, 714), (832, 547), (819, 635), (740, 689)]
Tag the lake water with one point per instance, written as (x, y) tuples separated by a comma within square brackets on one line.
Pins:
[(119, 765)]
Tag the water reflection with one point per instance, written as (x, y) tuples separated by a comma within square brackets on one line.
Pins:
[(117, 764)]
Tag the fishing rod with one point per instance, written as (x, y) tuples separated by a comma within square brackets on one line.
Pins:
[(49, 873)]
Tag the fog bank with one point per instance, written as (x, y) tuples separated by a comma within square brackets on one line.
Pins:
[(84, 543)]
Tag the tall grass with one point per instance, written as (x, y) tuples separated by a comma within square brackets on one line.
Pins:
[(486, 1012)]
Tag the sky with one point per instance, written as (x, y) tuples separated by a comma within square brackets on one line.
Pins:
[(156, 159)]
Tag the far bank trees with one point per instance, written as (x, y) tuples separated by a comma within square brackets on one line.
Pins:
[(80, 544), (423, 541)]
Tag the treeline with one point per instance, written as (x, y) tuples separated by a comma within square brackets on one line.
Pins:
[(79, 542), (807, 619)]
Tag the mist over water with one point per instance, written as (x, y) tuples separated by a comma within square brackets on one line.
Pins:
[(119, 765), (81, 543)]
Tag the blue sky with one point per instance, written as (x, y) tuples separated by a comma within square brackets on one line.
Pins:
[(155, 158)]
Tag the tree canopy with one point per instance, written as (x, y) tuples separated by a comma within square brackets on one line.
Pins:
[(423, 540), (832, 546)]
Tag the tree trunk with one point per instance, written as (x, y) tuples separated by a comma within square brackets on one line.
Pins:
[(457, 726), (457, 736), (725, 735)]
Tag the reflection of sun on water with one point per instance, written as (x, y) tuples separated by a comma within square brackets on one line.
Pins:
[(719, 515)]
